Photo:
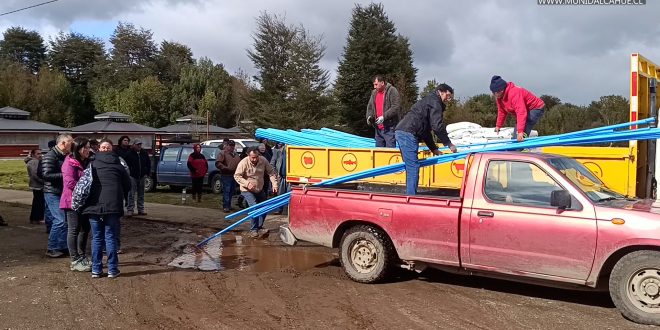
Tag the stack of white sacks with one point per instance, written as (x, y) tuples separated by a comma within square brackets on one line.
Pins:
[(466, 133)]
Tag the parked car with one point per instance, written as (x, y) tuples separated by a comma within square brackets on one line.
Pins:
[(525, 217), (240, 143), (171, 168)]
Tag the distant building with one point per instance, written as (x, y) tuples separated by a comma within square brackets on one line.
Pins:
[(193, 128), (113, 125), (19, 134)]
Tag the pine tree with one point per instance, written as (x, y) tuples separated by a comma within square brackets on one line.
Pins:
[(372, 47)]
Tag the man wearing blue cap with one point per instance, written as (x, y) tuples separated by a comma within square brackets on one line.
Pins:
[(518, 101)]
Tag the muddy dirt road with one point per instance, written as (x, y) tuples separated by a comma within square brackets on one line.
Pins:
[(260, 285)]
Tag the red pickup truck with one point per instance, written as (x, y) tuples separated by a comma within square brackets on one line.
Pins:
[(529, 217)]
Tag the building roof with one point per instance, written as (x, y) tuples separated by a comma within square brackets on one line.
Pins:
[(7, 112), (24, 125), (187, 127), (191, 118), (16, 120), (114, 116), (106, 126)]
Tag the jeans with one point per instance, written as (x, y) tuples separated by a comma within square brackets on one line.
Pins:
[(253, 199), (105, 231), (57, 235), (281, 190), (385, 137), (48, 217), (137, 190), (228, 188), (409, 146), (38, 205), (79, 229), (533, 117)]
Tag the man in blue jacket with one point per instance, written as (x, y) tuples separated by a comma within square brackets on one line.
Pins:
[(424, 116)]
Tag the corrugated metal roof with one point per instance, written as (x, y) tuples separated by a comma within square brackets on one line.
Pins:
[(24, 125), (112, 115), (112, 126)]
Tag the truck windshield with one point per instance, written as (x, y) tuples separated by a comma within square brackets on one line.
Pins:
[(584, 180)]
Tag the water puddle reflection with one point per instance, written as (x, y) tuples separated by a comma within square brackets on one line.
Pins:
[(245, 254)]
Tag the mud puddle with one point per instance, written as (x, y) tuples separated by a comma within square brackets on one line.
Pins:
[(245, 254)]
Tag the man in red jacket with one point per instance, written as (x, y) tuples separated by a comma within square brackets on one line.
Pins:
[(512, 99)]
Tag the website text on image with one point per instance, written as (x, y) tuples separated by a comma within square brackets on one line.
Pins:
[(591, 2)]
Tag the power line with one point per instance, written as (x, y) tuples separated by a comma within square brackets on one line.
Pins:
[(37, 5)]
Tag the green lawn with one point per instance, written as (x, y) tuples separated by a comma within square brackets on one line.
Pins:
[(13, 174)]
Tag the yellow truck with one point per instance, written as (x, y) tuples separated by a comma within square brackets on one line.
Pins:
[(628, 170)]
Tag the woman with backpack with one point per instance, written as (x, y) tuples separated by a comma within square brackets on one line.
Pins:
[(198, 167), (104, 206), (78, 225)]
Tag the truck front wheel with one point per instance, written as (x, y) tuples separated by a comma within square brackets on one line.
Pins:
[(366, 254), (635, 286)]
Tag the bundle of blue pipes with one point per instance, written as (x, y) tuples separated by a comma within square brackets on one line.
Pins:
[(607, 134)]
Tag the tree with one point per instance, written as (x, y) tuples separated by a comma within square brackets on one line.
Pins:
[(372, 47), (293, 91), (23, 46), (75, 55), (431, 85), (203, 80), (612, 109), (550, 101), (172, 58), (241, 89), (133, 54)]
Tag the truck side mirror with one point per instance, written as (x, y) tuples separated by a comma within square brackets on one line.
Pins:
[(560, 199)]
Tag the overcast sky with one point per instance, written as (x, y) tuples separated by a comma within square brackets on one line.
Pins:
[(577, 53)]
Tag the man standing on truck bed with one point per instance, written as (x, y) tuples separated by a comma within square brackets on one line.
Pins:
[(512, 99), (384, 112), (250, 177), (424, 116)]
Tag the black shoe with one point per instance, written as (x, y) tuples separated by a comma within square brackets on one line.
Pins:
[(54, 254), (2, 222)]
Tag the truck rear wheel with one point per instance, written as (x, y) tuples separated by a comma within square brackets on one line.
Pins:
[(635, 286), (366, 254)]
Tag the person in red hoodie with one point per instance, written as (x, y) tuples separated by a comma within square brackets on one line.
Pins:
[(512, 99), (198, 167)]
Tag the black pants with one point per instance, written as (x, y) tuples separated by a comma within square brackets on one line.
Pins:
[(197, 184), (78, 232), (38, 206)]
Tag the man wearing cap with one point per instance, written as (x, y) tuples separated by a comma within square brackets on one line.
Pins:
[(384, 112), (140, 167), (512, 99)]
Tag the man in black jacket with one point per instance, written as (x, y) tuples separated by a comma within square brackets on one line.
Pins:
[(51, 166), (140, 167), (424, 116), (384, 112)]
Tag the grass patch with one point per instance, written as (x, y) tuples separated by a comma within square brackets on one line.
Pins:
[(13, 174)]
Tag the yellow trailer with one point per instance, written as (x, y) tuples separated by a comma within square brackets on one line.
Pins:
[(628, 170)]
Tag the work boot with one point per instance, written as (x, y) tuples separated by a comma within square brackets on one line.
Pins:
[(2, 221)]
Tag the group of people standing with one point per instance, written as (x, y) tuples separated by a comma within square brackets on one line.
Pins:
[(392, 127), (53, 178), (258, 172)]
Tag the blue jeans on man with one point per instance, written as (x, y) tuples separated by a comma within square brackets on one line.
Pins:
[(48, 217), (253, 199), (105, 233), (533, 117), (58, 229), (409, 146), (228, 188), (385, 137)]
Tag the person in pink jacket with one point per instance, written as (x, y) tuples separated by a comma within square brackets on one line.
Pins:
[(518, 101), (78, 224)]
